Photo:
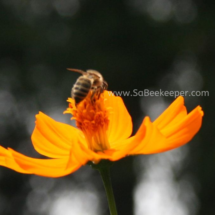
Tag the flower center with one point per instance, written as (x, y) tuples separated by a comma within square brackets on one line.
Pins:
[(92, 118)]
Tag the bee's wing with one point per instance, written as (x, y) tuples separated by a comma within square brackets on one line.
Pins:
[(77, 70)]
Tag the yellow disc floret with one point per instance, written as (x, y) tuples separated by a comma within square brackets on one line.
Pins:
[(92, 118)]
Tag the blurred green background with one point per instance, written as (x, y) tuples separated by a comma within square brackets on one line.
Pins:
[(135, 44)]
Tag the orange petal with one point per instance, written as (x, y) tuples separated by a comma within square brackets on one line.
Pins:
[(95, 157), (42, 167), (178, 129), (82, 152), (124, 148), (184, 130), (120, 125), (7, 160), (151, 140), (51, 138), (172, 113)]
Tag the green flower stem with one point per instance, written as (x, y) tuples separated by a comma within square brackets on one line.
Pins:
[(104, 168), (105, 174)]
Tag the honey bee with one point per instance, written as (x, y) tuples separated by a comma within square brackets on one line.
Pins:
[(90, 80)]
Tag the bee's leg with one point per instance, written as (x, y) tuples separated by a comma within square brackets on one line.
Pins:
[(105, 85), (93, 94), (100, 91)]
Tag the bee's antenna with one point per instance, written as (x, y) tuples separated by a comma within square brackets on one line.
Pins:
[(77, 70)]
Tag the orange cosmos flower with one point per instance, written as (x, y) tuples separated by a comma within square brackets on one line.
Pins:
[(103, 132)]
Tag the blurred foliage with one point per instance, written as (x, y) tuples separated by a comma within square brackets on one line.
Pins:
[(134, 44)]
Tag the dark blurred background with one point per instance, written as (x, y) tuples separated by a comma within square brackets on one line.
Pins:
[(135, 44)]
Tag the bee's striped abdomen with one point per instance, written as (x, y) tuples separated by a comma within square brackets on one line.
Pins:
[(81, 89)]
